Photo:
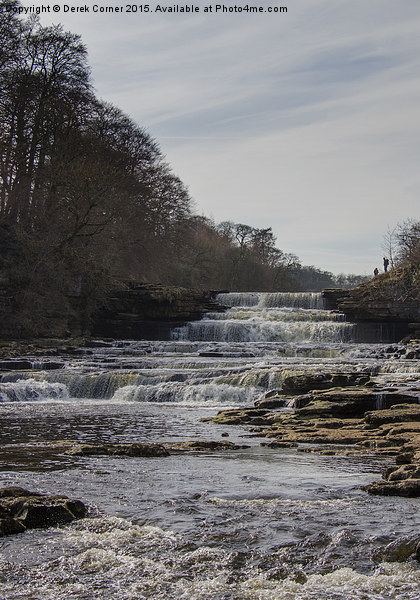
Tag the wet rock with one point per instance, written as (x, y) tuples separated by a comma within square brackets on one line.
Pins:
[(27, 365), (202, 445), (248, 416), (147, 450), (16, 492), (352, 402), (278, 444), (410, 471), (302, 400), (9, 526), (271, 402), (21, 509), (410, 488), (401, 549), (300, 384), (329, 423), (15, 365), (39, 512), (272, 394), (150, 311), (98, 344), (404, 458), (306, 382), (48, 366)]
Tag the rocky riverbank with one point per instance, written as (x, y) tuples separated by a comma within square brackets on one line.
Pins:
[(343, 413), (149, 311), (133, 310), (390, 298)]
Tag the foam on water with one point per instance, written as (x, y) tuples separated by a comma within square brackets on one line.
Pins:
[(309, 300), (269, 317), (250, 524), (30, 390), (110, 558), (256, 329), (186, 394)]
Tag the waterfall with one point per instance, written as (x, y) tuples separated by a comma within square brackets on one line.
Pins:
[(263, 330), (311, 300), (269, 317), (29, 390), (182, 393), (380, 401)]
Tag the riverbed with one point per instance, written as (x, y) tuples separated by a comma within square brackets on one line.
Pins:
[(251, 523)]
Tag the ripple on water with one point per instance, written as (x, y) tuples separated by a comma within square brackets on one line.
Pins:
[(107, 558)]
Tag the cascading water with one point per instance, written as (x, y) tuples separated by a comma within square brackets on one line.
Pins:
[(312, 300), (259, 522), (269, 317)]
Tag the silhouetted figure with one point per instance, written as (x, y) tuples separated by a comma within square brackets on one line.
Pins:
[(386, 263), (376, 271)]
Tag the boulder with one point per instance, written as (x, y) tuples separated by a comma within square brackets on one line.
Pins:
[(401, 549), (9, 526), (271, 402), (21, 509)]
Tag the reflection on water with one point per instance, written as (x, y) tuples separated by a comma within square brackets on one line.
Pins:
[(256, 522)]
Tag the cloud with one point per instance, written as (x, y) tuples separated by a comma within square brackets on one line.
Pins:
[(305, 122)]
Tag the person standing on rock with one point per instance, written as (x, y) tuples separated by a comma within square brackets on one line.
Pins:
[(386, 263), (376, 271)]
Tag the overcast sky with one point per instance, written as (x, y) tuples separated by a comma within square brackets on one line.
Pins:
[(307, 121)]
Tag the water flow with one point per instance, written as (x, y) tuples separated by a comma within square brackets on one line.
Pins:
[(253, 523), (270, 317), (312, 300)]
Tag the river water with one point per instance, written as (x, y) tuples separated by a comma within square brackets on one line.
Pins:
[(254, 523)]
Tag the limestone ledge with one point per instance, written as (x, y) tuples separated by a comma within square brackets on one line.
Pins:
[(392, 297), (346, 420), (146, 311)]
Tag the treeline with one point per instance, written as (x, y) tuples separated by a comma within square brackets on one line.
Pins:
[(402, 244), (88, 201)]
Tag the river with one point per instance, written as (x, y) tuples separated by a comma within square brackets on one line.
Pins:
[(256, 523)]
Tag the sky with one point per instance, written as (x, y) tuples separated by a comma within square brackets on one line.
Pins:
[(305, 121)]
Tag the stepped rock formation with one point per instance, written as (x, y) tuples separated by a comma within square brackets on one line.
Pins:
[(390, 298), (149, 311)]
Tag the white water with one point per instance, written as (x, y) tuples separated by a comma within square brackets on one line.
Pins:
[(279, 317), (306, 300), (27, 390), (254, 524)]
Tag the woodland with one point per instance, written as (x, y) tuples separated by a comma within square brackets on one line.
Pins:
[(88, 202)]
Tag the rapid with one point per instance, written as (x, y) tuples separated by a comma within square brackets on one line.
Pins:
[(255, 523)]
